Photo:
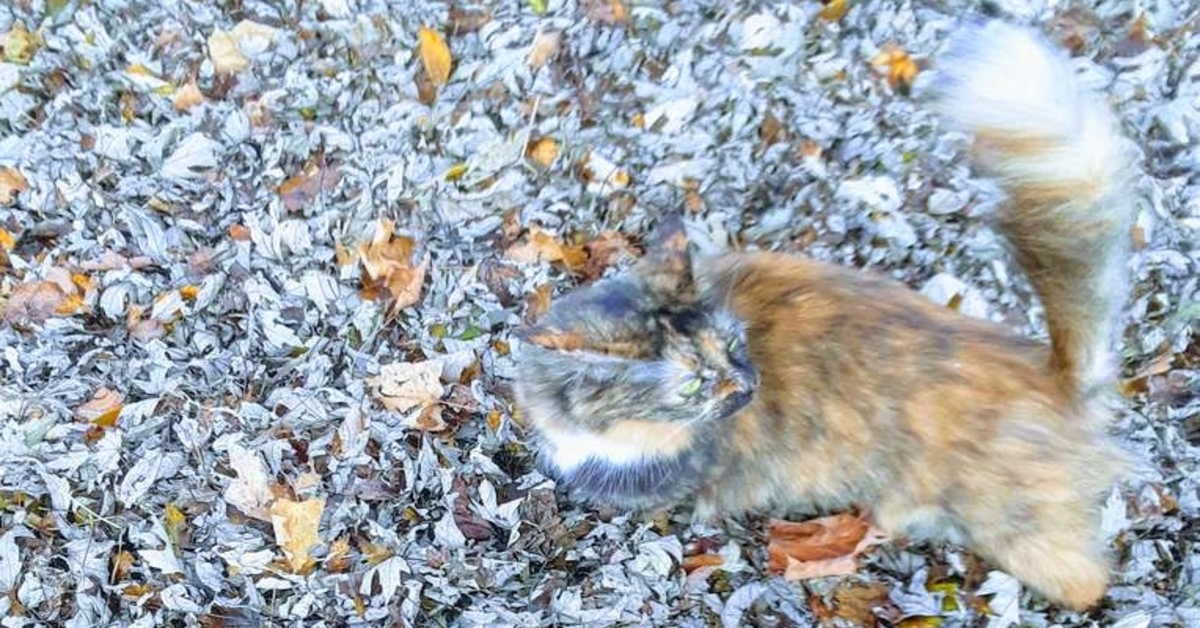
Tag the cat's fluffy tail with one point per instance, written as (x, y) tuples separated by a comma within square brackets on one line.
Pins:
[(1055, 148)]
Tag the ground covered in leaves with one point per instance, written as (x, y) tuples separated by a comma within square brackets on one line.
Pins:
[(260, 265)]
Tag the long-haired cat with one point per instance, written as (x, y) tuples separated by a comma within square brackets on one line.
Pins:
[(768, 381)]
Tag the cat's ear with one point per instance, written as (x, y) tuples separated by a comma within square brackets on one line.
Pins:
[(667, 265)]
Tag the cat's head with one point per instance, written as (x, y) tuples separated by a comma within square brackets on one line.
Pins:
[(647, 346)]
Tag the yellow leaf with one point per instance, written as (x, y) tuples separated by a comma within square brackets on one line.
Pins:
[(456, 172), (19, 45), (899, 68), (12, 182), (435, 55), (189, 292), (7, 241), (542, 152), (297, 530), (175, 521), (834, 10), (226, 57)]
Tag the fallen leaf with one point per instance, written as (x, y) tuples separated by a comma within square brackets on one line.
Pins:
[(19, 44), (429, 419), (7, 241), (338, 558), (601, 175), (468, 20), (239, 232), (61, 293), (175, 522), (834, 10), (301, 190), (544, 48), (604, 11), (231, 51), (402, 386), (604, 251), (389, 262), (541, 245), (143, 328), (435, 55), (297, 530), (122, 564), (187, 96), (251, 490), (542, 151), (12, 182), (102, 409), (692, 563), (857, 603), (894, 63), (826, 546)]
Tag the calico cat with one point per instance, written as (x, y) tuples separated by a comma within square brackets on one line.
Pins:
[(752, 381)]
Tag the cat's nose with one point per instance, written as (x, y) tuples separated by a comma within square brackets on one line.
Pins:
[(738, 381)]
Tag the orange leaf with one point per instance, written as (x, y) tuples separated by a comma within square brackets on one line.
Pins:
[(390, 263), (37, 301), (541, 245), (820, 547), (435, 55), (239, 232), (12, 182), (692, 563), (897, 65), (7, 241), (189, 292), (187, 96), (542, 152)]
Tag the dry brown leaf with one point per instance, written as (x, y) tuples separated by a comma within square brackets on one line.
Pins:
[(537, 303), (545, 47), (542, 151), (142, 328), (392, 271), (297, 530), (102, 409), (34, 302), (857, 603), (187, 96), (301, 190), (402, 386), (604, 251), (541, 245), (122, 564), (826, 546), (239, 232), (468, 19), (338, 559), (435, 55), (429, 419), (251, 490), (604, 11), (12, 182), (894, 63)]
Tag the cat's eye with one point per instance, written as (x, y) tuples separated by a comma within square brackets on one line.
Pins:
[(734, 344), (690, 387)]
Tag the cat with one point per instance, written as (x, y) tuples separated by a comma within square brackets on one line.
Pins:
[(752, 381)]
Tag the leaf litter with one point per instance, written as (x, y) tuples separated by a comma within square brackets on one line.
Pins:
[(259, 272)]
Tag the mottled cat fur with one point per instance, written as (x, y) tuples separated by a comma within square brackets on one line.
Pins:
[(752, 381)]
